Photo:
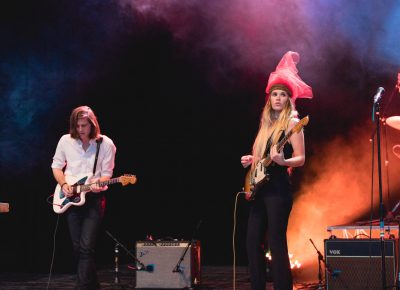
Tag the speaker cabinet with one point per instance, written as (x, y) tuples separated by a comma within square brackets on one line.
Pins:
[(161, 259), (356, 264)]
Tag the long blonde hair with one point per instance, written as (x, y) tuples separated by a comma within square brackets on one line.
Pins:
[(271, 127)]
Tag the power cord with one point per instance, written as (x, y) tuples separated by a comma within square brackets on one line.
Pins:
[(54, 250), (233, 239)]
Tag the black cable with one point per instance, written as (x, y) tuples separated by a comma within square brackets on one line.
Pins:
[(387, 164), (54, 250), (234, 239)]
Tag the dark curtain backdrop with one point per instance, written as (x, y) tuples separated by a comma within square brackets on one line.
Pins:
[(181, 95)]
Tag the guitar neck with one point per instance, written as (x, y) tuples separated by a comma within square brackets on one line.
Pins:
[(279, 147), (282, 143), (86, 187)]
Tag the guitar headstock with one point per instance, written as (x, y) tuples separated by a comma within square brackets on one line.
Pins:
[(128, 178), (303, 122)]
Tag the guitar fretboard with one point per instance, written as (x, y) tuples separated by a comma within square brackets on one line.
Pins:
[(86, 187), (284, 140), (279, 147)]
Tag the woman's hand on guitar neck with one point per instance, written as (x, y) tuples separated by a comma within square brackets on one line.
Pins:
[(276, 156), (246, 160)]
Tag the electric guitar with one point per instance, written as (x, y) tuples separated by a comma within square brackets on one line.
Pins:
[(61, 203), (260, 174)]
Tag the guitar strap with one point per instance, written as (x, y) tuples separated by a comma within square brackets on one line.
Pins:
[(98, 141)]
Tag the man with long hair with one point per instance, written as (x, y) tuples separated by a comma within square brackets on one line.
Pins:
[(84, 152)]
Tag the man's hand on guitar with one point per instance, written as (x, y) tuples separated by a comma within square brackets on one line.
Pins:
[(246, 160), (67, 189), (276, 156), (94, 187)]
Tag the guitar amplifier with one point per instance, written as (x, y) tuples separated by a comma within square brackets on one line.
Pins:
[(356, 264), (161, 259)]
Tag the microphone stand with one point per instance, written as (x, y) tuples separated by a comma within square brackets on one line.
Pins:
[(116, 269), (381, 205), (320, 258), (118, 244), (177, 268)]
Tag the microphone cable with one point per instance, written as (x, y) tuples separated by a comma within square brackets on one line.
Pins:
[(233, 239), (54, 250)]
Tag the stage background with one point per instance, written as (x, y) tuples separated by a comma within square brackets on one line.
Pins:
[(179, 87)]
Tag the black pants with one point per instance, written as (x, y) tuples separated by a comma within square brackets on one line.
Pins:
[(269, 214), (84, 223)]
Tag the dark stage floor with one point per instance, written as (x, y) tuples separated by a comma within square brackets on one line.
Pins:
[(212, 278)]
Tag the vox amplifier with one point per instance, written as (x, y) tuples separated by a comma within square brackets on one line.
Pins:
[(356, 264), (168, 264)]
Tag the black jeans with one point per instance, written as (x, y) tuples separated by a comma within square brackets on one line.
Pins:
[(84, 223), (269, 214)]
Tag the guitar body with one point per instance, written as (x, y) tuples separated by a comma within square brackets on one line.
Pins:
[(61, 203), (81, 185), (256, 177)]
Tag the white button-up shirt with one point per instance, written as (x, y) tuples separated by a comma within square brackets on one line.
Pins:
[(77, 162)]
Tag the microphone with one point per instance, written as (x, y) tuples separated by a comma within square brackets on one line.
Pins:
[(378, 95), (148, 268), (335, 273)]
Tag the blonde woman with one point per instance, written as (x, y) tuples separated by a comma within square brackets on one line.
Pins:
[(270, 209)]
